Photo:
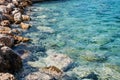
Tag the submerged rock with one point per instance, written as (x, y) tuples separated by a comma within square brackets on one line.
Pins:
[(9, 60), (7, 76), (53, 71), (38, 76), (45, 29), (93, 57), (62, 61)]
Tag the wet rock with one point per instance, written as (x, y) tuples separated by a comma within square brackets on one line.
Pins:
[(25, 3), (92, 76), (25, 18), (6, 40), (5, 23), (39, 76), (53, 71), (7, 76), (106, 73), (9, 60), (23, 53), (62, 61), (92, 57), (81, 71), (45, 29), (24, 25), (19, 39)]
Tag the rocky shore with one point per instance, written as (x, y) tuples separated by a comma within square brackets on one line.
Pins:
[(13, 21), (12, 18)]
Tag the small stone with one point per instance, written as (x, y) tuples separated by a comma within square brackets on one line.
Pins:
[(5, 23), (25, 18), (24, 25)]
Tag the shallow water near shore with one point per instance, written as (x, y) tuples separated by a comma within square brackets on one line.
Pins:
[(86, 30)]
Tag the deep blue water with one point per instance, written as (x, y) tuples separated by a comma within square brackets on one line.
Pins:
[(78, 27)]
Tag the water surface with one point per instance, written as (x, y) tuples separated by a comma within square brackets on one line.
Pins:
[(78, 28)]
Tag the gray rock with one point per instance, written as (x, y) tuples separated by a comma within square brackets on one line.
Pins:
[(38, 76), (61, 61)]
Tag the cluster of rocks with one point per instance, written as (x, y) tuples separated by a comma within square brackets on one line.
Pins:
[(55, 68), (12, 13)]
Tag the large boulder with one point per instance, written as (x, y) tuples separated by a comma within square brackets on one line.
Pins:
[(9, 60), (61, 61), (7, 76)]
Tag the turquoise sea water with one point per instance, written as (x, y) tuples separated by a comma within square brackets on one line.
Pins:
[(86, 30)]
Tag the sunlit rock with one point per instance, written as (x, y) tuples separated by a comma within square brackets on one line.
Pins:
[(7, 76), (62, 61)]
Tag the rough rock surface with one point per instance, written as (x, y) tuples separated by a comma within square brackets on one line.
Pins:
[(6, 40), (9, 60), (39, 76), (7, 76), (61, 61)]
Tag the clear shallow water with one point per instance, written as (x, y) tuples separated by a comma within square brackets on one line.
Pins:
[(78, 28)]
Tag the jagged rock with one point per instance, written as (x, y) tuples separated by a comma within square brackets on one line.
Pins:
[(17, 17), (9, 60), (5, 23), (9, 17), (6, 40), (24, 25), (19, 39), (62, 61), (53, 71), (25, 18), (10, 5), (7, 76), (4, 9), (2, 17), (25, 3)]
